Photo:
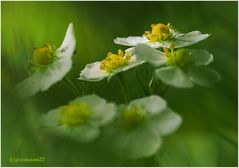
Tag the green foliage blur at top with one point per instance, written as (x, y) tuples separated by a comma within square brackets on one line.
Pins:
[(208, 136)]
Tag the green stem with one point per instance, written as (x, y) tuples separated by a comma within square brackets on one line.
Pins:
[(141, 84), (72, 86), (166, 88), (69, 87), (151, 82), (79, 87), (158, 88), (123, 87), (223, 136)]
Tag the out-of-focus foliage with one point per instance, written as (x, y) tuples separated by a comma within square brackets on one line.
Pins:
[(208, 136)]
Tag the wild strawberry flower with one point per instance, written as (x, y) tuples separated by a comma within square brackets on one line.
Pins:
[(110, 66), (163, 36), (140, 126), (81, 119), (48, 65), (181, 67)]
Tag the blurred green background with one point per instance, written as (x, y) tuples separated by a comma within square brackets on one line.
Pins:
[(209, 134)]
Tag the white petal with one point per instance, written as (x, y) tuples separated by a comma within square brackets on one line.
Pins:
[(190, 38), (85, 133), (132, 65), (163, 44), (82, 134), (134, 60), (103, 112), (51, 119), (68, 45), (165, 123), (149, 54), (29, 86), (60, 130), (125, 68), (204, 76), (92, 72), (200, 57), (131, 41), (119, 138), (143, 143), (153, 104), (174, 76), (93, 100), (129, 50), (55, 72)]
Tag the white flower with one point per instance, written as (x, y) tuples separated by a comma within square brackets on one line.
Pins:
[(49, 65), (110, 66), (140, 127), (163, 36), (180, 68), (81, 119)]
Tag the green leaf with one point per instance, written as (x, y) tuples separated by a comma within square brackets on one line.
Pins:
[(200, 57), (203, 76), (190, 149), (149, 54), (228, 135), (173, 76)]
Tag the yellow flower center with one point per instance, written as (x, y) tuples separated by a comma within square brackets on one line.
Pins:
[(179, 57), (133, 117), (159, 32), (75, 114), (115, 61), (44, 56)]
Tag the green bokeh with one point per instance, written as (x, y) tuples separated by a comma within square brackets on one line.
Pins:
[(208, 136)]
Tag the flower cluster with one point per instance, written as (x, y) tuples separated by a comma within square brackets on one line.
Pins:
[(176, 66), (133, 129)]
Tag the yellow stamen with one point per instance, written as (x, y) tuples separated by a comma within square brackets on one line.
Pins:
[(115, 61), (133, 117), (159, 32), (44, 56), (179, 57), (75, 114)]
